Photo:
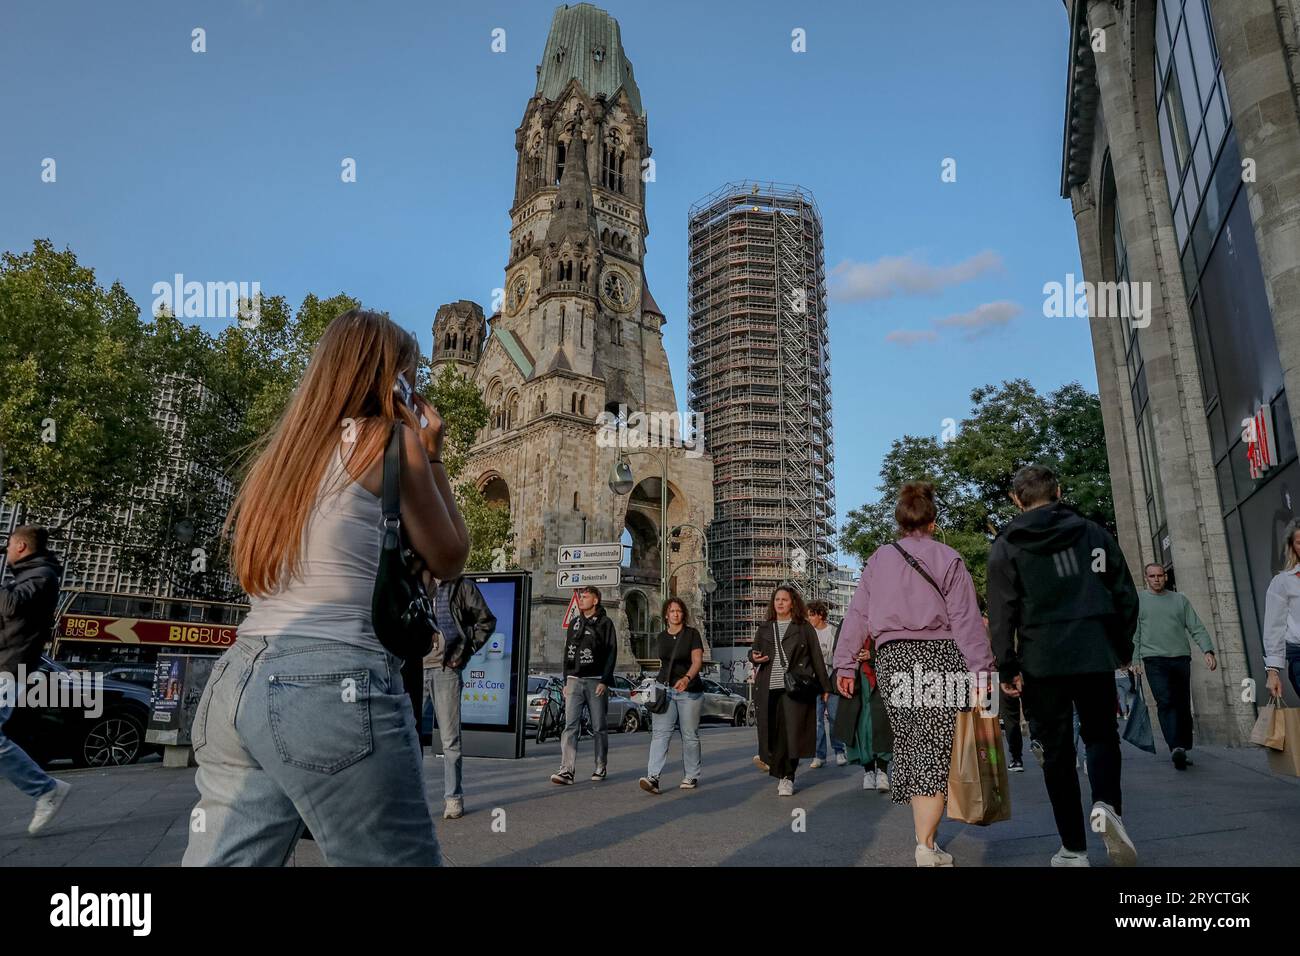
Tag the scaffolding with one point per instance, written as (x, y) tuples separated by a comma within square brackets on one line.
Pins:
[(760, 378)]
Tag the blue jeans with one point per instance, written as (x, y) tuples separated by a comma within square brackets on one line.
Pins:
[(15, 766), (295, 729), (579, 691), (683, 714), (1293, 665), (444, 686), (825, 709)]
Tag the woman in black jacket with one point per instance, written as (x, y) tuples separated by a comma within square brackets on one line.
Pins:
[(790, 675)]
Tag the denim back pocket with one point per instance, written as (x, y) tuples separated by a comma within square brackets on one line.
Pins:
[(321, 722), (199, 729)]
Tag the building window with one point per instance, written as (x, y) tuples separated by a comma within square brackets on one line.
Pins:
[(559, 162), (611, 169), (1192, 105)]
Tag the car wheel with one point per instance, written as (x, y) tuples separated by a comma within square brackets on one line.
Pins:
[(738, 718), (631, 722), (115, 740)]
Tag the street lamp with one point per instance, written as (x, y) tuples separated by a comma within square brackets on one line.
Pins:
[(622, 481), (620, 478)]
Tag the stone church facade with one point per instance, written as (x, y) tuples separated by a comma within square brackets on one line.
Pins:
[(578, 335)]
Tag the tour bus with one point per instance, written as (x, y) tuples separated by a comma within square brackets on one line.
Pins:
[(97, 627)]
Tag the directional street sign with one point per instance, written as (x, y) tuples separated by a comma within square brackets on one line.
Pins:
[(581, 577), (591, 554)]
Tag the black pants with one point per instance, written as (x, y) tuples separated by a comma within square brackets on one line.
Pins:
[(1170, 680), (782, 764), (1052, 701), (1010, 707)]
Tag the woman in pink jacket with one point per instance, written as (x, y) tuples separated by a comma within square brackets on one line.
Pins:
[(917, 599)]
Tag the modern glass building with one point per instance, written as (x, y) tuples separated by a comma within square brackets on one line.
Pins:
[(1182, 164)]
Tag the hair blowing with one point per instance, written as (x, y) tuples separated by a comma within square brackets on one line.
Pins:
[(351, 376), (915, 510)]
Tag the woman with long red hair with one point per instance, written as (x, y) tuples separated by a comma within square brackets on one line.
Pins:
[(305, 718)]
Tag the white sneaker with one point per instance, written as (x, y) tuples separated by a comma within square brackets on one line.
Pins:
[(868, 780), (817, 763), (932, 856), (1119, 847), (47, 805), (841, 760), (882, 780), (1064, 857), (453, 808), (785, 788)]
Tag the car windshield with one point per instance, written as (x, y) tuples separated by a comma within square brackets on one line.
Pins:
[(537, 684)]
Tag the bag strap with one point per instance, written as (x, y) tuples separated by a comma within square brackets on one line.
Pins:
[(776, 639), (668, 674), (916, 566), (391, 499)]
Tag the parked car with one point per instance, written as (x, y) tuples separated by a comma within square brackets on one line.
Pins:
[(622, 713), (113, 738), (722, 704), (141, 674), (545, 699)]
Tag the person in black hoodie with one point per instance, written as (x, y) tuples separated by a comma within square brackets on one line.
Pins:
[(465, 624), (590, 649), (1062, 612), (27, 605)]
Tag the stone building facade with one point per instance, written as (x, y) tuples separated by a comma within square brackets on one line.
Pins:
[(1182, 166), (577, 343)]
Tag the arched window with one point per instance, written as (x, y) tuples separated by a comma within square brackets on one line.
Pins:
[(559, 162), (611, 170)]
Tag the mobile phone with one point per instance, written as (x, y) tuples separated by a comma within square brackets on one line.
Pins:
[(406, 395)]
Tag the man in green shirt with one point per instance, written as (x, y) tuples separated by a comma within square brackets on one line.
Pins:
[(1166, 622)]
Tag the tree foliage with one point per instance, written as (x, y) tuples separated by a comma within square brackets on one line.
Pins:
[(77, 377), (1009, 426), (106, 414)]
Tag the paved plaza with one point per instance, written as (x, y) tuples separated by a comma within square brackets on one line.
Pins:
[(1227, 810)]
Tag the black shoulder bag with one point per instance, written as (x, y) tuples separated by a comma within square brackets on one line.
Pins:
[(801, 687), (400, 607), (658, 702)]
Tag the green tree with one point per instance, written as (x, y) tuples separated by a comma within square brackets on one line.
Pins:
[(1009, 426), (464, 414), (77, 378)]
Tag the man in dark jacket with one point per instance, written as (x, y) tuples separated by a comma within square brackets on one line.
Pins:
[(1062, 612), (590, 649), (465, 623), (27, 606)]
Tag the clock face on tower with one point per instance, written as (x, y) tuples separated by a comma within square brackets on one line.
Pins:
[(518, 293), (616, 289)]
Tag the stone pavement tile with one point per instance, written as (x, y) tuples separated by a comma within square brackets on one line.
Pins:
[(1227, 810), (120, 852)]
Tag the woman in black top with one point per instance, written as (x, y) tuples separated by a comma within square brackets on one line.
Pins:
[(786, 652), (681, 655)]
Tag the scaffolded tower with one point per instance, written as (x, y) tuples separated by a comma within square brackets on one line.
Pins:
[(760, 379)]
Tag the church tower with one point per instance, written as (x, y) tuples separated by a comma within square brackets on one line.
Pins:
[(578, 335)]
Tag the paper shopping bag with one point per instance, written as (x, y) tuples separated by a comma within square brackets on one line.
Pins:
[(1270, 727), (1287, 760), (978, 789)]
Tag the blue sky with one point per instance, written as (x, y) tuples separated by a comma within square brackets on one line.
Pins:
[(225, 165)]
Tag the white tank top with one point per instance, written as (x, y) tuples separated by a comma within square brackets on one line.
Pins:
[(330, 594)]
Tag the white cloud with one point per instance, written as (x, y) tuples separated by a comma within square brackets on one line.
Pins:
[(905, 275), (912, 336), (982, 318)]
